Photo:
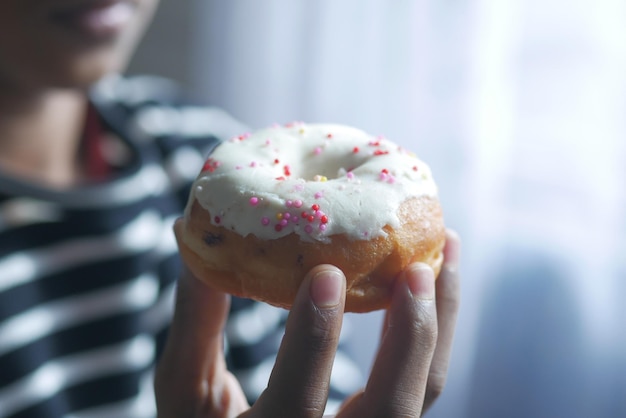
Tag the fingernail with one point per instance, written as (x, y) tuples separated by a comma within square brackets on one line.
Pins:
[(451, 250), (421, 281), (326, 288)]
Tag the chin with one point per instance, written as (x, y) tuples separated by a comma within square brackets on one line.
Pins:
[(84, 73)]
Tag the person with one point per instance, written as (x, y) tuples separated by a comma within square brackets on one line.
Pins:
[(94, 169)]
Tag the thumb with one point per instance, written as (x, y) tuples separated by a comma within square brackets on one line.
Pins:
[(192, 369)]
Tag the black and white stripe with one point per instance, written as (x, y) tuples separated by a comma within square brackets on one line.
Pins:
[(87, 276)]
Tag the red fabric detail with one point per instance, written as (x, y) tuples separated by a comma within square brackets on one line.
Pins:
[(96, 166)]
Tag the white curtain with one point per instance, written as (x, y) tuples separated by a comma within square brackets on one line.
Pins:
[(519, 106)]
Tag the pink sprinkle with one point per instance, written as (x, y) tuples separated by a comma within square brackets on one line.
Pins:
[(318, 151), (350, 175), (391, 180), (299, 187), (322, 227), (254, 201), (267, 142), (289, 203), (318, 195), (382, 176), (297, 203), (265, 221), (253, 164), (319, 214), (284, 222), (287, 215), (308, 229), (238, 167), (295, 219)]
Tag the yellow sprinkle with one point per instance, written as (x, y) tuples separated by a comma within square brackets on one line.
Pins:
[(301, 130), (317, 177), (279, 216)]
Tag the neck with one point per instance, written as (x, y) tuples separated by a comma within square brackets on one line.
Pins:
[(40, 135)]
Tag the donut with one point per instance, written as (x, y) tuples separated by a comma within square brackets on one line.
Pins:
[(270, 205)]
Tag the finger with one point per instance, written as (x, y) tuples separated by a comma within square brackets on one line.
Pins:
[(191, 373), (447, 297), (300, 380), (397, 383)]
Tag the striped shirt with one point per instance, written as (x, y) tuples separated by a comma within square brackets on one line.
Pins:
[(87, 275)]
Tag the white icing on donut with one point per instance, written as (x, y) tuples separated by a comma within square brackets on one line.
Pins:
[(313, 180)]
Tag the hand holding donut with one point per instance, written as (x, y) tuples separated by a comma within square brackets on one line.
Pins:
[(408, 374)]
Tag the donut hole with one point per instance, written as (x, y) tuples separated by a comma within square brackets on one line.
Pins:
[(329, 167)]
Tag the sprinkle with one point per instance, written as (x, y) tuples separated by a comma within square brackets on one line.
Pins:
[(308, 229), (281, 178), (319, 214), (350, 175), (278, 227), (238, 167), (304, 215), (315, 207), (310, 218), (414, 168), (254, 201), (301, 131), (217, 219), (317, 151), (329, 136), (279, 216), (286, 215), (211, 165), (380, 152), (276, 161), (324, 219), (297, 203), (289, 203), (253, 164), (318, 195), (384, 170), (322, 227), (355, 150), (268, 142), (318, 177), (265, 221), (374, 143), (284, 222), (287, 170)]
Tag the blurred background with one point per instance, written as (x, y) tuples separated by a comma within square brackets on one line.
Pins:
[(519, 106)]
